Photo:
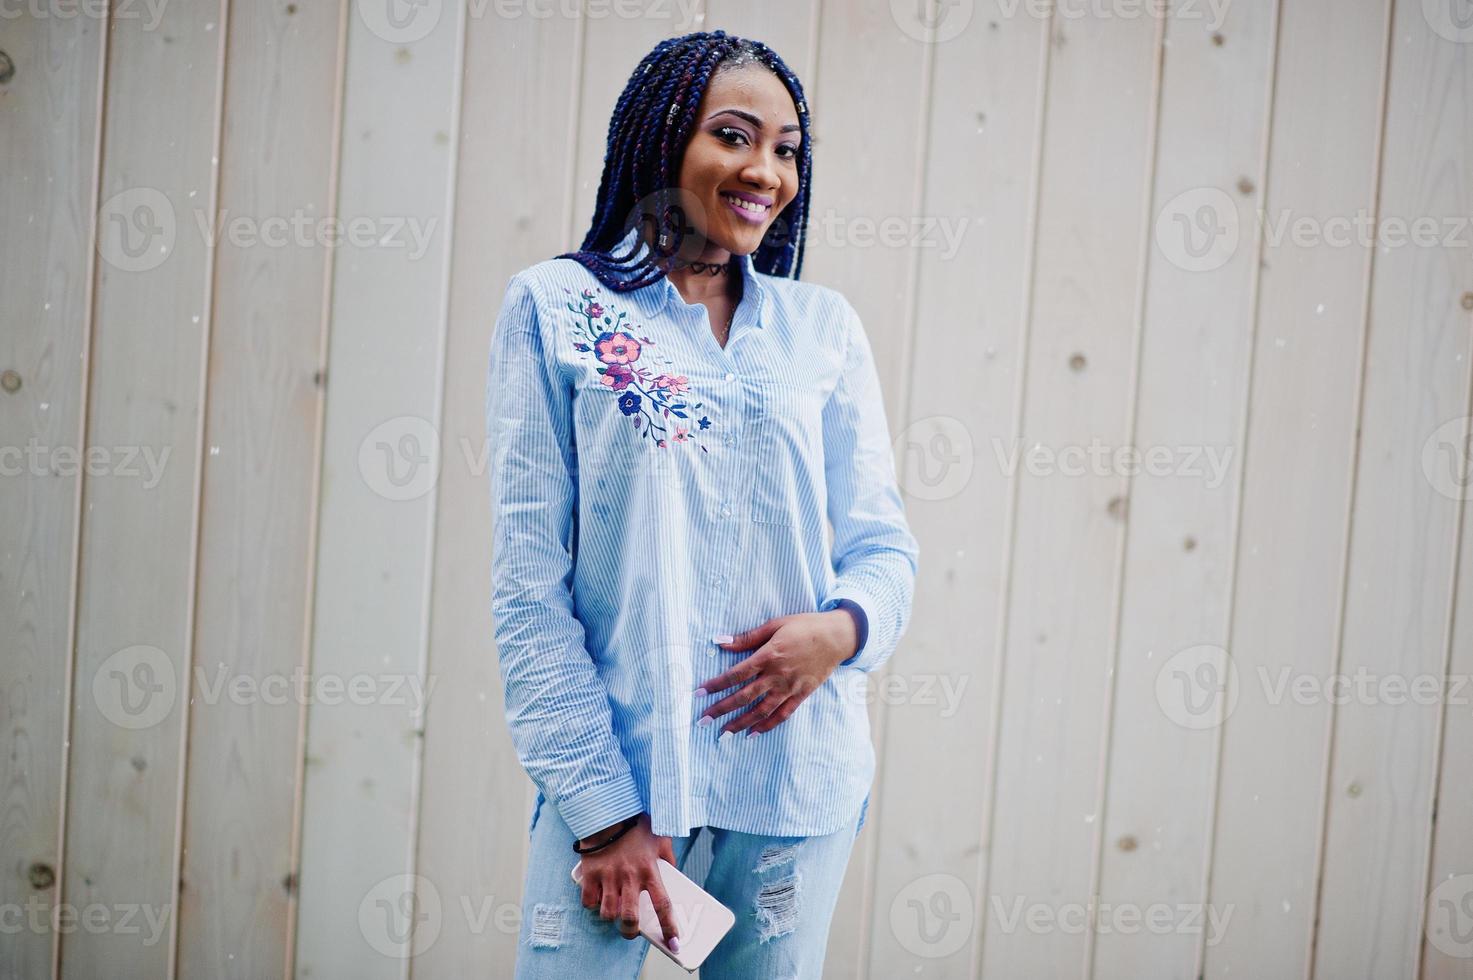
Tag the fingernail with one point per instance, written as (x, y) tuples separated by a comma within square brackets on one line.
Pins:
[(705, 720), (753, 733), (724, 736), (700, 692), (674, 944), (721, 638)]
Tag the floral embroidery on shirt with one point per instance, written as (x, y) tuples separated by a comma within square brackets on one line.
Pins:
[(649, 400)]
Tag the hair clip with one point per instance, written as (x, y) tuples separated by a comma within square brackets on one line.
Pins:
[(670, 116)]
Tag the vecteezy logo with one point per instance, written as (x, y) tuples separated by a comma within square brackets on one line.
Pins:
[(1447, 458), (400, 459), (1197, 230), (400, 21), (931, 21), (932, 916), (135, 687), (136, 229), (1450, 916), (936, 457), (1198, 687), (401, 916), (1450, 19)]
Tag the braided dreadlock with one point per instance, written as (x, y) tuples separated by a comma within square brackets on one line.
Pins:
[(648, 133)]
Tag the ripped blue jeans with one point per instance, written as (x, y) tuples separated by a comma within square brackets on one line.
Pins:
[(783, 891)]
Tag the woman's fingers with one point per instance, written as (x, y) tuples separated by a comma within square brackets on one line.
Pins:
[(780, 714), (664, 908), (761, 714), (592, 894), (629, 910), (738, 699), (608, 906)]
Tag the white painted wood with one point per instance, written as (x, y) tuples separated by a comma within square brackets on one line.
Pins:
[(48, 155), (1194, 369), (134, 633), (869, 142), (518, 105), (380, 465), (258, 510), (1403, 547), (1079, 372), (1445, 933), (1016, 771), (1298, 456), (926, 822)]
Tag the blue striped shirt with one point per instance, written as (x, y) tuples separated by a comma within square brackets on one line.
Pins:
[(650, 490)]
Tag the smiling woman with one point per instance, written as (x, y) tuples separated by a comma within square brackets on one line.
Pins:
[(675, 416)]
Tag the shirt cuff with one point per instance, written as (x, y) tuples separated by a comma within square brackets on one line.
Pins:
[(861, 624), (591, 810)]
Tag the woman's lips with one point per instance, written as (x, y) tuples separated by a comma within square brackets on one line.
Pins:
[(752, 217)]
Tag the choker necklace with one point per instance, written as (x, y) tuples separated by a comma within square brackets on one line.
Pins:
[(705, 268), (710, 268)]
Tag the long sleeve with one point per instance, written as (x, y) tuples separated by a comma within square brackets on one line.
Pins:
[(875, 554), (557, 707)]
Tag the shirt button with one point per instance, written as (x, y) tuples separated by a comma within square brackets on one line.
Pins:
[(726, 512), (729, 376)]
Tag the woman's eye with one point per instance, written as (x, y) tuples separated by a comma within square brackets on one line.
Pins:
[(727, 135)]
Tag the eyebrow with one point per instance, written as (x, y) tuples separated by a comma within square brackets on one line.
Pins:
[(755, 120)]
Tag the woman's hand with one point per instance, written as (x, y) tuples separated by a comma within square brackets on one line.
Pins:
[(795, 654), (613, 877)]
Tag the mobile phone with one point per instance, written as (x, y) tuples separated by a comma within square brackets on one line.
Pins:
[(700, 920)]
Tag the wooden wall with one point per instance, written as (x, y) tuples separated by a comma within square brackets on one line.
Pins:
[(1217, 703)]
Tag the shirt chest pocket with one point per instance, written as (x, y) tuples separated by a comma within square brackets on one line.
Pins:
[(609, 443), (626, 439), (786, 442)]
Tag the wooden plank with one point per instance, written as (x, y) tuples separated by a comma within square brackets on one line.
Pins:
[(1300, 435), (925, 828), (1447, 929), (864, 184), (49, 115), (1403, 548), (137, 567), (380, 463), (259, 501), (517, 110), (1194, 370), (1067, 533)]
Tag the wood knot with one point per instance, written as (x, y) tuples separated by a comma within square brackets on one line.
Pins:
[(41, 875)]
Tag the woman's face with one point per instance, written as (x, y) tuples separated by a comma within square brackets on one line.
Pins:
[(745, 145)]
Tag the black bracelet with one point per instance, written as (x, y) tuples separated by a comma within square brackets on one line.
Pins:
[(626, 825)]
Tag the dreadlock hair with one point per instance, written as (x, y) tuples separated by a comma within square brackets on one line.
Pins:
[(648, 133)]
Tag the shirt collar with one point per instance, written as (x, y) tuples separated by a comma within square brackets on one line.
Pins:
[(655, 297)]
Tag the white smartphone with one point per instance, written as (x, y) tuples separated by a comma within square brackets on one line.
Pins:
[(700, 920)]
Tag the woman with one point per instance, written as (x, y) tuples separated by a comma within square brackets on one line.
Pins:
[(673, 416)]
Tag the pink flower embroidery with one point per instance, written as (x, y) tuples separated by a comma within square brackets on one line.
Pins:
[(647, 402), (675, 385), (616, 348), (617, 377)]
